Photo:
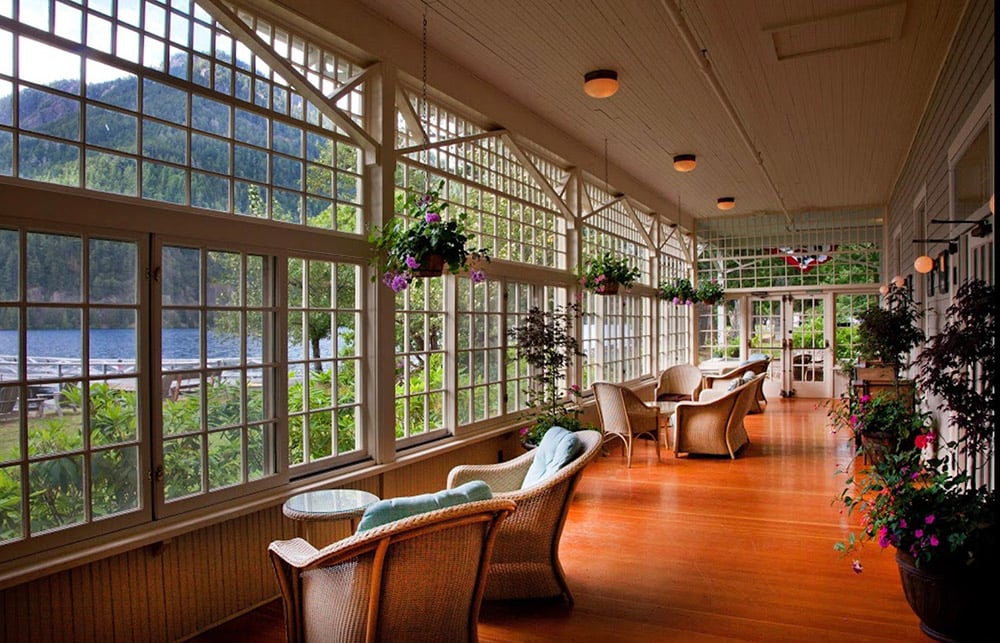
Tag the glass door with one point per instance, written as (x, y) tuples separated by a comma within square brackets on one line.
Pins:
[(795, 332)]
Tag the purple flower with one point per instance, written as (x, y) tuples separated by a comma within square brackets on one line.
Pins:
[(902, 523), (477, 276), (919, 533), (883, 537), (424, 200), (412, 263), (934, 541), (856, 566), (929, 520), (432, 217), (399, 283)]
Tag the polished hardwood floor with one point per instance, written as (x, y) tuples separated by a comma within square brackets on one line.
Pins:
[(702, 549)]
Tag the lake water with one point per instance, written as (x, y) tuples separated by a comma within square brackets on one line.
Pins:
[(114, 343)]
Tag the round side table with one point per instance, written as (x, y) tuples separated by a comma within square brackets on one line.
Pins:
[(326, 505)]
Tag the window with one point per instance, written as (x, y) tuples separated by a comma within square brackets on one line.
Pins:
[(219, 369), (324, 360), (71, 433), (480, 350), (241, 142)]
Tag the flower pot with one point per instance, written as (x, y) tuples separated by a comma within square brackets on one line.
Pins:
[(953, 602), (610, 288), (874, 447), (431, 266)]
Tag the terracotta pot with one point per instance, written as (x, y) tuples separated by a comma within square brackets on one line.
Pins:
[(953, 603), (431, 266)]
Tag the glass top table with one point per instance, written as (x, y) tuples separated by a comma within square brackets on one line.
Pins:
[(328, 504)]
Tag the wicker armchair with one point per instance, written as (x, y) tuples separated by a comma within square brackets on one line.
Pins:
[(416, 579), (525, 562), (714, 424), (678, 383), (724, 381), (624, 416)]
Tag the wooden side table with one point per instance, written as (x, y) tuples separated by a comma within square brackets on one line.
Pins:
[(326, 505)]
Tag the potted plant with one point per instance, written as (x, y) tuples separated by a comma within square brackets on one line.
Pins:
[(879, 424), (606, 272), (887, 334), (709, 292), (426, 245), (942, 519), (545, 340), (678, 291)]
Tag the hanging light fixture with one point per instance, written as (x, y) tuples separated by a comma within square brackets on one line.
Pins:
[(600, 83), (685, 162), (898, 281), (726, 203), (884, 289)]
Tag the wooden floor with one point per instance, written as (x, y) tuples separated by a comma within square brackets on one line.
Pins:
[(702, 549)]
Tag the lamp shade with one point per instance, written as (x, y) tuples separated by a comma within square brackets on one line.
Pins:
[(600, 83), (884, 289), (898, 281), (726, 203), (685, 162), (923, 264)]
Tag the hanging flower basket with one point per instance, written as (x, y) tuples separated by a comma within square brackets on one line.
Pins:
[(678, 291), (606, 274), (709, 292), (425, 246), (431, 266)]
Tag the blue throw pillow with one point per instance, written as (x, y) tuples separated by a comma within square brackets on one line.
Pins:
[(557, 448), (385, 511)]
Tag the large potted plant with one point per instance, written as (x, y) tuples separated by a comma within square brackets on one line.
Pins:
[(887, 334), (426, 245), (941, 517), (545, 340), (605, 273)]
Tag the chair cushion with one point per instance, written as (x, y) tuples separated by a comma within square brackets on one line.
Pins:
[(557, 448), (733, 384), (390, 509), (749, 375)]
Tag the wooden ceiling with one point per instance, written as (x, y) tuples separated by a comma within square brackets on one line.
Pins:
[(790, 105)]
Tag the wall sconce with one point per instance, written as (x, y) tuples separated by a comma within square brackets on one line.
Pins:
[(685, 162), (726, 203), (923, 264), (600, 83)]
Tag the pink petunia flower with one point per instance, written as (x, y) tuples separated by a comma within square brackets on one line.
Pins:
[(929, 520), (432, 217), (412, 263), (934, 541), (919, 533), (857, 567), (477, 276)]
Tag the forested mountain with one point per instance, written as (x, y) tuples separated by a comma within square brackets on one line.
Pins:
[(117, 126)]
